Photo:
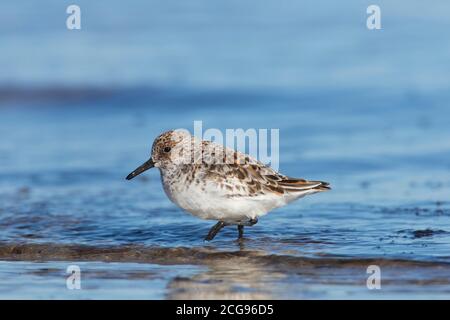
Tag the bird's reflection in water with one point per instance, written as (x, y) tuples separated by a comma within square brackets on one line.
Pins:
[(236, 276), (233, 278)]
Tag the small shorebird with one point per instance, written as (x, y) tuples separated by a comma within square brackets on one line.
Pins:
[(217, 183)]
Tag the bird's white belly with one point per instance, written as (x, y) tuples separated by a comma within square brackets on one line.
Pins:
[(213, 205)]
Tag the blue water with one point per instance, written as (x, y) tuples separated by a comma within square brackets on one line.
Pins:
[(367, 111)]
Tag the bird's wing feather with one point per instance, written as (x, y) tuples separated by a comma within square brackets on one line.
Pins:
[(248, 177)]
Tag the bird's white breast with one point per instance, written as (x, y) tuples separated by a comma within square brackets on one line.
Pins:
[(207, 200)]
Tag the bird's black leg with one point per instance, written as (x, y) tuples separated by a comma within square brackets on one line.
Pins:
[(241, 225), (215, 230), (241, 231)]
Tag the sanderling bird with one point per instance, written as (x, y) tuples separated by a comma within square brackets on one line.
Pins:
[(217, 183)]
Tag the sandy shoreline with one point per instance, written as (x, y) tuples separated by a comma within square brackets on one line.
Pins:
[(193, 256)]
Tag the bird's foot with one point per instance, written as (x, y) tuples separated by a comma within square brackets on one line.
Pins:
[(249, 223)]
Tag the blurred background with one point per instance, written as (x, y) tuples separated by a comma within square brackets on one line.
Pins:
[(367, 110)]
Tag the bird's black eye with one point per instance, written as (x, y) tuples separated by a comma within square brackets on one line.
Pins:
[(167, 149)]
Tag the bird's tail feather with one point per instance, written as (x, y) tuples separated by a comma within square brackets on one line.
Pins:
[(293, 184)]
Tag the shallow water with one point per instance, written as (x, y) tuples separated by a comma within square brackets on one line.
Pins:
[(381, 139), (64, 188)]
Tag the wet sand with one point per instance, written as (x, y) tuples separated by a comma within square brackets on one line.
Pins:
[(213, 274)]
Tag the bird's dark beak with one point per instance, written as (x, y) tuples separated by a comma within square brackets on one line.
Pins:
[(144, 167)]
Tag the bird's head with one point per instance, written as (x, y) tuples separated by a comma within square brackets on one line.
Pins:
[(171, 148)]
